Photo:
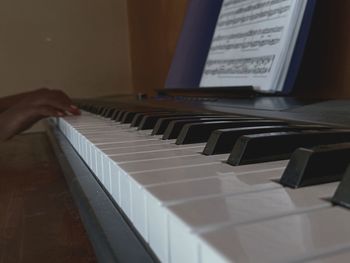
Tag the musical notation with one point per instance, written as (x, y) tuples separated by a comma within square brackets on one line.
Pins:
[(227, 4), (250, 43), (244, 45), (254, 65), (251, 8), (249, 33), (260, 15)]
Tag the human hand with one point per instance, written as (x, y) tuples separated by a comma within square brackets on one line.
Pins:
[(43, 96), (56, 99), (33, 107)]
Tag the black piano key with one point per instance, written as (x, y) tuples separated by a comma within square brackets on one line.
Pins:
[(174, 128), (115, 114), (120, 115), (94, 109), (127, 118), (90, 107), (163, 123), (341, 196), (149, 121), (132, 112), (110, 113), (222, 141), (137, 119), (126, 111), (200, 132), (139, 116), (316, 165), (100, 110), (105, 110), (104, 113), (280, 145)]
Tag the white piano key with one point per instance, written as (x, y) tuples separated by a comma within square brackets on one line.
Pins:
[(115, 182), (156, 155), (188, 219), (139, 181), (340, 256), (124, 192), (129, 179), (125, 187), (162, 152), (77, 121), (106, 129), (93, 165), (159, 198), (202, 170), (99, 166), (285, 239), (115, 153), (107, 173), (144, 142), (113, 144), (168, 163), (121, 138), (98, 128), (84, 150), (90, 125), (112, 136), (149, 165)]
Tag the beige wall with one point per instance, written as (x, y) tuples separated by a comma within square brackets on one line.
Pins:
[(80, 46)]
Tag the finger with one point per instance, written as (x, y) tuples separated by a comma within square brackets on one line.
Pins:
[(54, 100), (74, 110), (47, 111), (51, 98), (63, 98)]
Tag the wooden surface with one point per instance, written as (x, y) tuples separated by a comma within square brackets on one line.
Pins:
[(154, 29), (38, 219), (325, 72)]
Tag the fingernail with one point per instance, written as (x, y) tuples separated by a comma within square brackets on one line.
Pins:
[(73, 107)]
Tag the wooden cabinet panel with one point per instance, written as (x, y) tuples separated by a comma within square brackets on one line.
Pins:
[(154, 28), (325, 72)]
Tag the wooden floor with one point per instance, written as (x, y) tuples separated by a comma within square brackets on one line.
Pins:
[(38, 219)]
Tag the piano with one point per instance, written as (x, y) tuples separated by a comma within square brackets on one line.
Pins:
[(205, 179)]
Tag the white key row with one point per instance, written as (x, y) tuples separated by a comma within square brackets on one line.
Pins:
[(181, 201)]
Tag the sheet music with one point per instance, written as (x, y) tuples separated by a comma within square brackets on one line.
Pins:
[(250, 43)]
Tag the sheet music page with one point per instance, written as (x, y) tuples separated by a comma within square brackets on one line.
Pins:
[(249, 43)]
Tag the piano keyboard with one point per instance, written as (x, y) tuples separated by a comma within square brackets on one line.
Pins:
[(214, 207)]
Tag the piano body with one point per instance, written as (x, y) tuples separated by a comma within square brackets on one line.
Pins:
[(203, 179), (207, 177)]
